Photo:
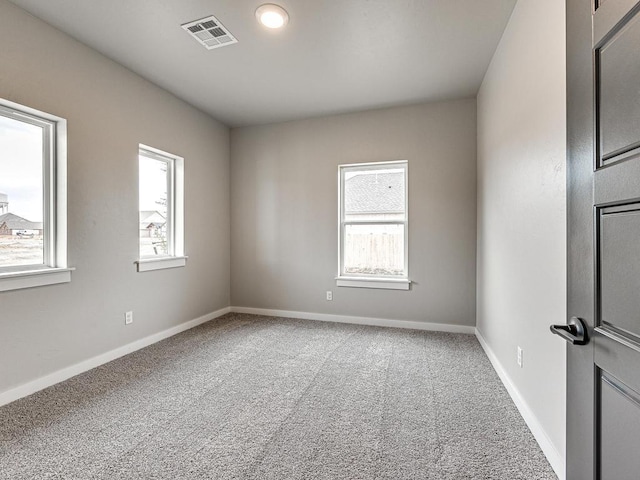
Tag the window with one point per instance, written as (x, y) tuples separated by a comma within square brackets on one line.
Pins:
[(161, 224), (32, 198), (373, 226)]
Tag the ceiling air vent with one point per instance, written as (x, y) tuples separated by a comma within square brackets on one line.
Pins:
[(210, 32)]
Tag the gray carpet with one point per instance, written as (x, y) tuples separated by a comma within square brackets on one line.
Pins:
[(248, 397)]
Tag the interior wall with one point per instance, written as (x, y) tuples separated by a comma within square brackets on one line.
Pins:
[(109, 111), (521, 208), (284, 211)]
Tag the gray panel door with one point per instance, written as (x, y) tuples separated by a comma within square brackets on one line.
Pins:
[(603, 376)]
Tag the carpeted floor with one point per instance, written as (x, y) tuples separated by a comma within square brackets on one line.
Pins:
[(248, 397)]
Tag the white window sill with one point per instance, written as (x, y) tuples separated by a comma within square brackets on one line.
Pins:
[(383, 283), (149, 264), (34, 278)]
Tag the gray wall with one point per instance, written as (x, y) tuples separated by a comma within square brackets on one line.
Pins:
[(284, 207), (521, 208), (109, 111)]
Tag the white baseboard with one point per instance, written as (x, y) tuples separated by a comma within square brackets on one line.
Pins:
[(73, 370), (548, 448), (376, 322)]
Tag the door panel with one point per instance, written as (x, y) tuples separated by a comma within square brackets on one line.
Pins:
[(618, 76), (620, 431), (608, 14), (619, 278)]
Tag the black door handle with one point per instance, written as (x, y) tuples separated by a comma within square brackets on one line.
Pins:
[(575, 332)]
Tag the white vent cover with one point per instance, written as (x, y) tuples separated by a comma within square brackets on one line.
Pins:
[(210, 33)]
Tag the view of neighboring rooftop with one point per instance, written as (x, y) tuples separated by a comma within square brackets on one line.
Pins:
[(15, 222), (368, 192)]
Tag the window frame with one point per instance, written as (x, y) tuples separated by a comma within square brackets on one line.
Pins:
[(392, 282), (175, 256), (54, 268)]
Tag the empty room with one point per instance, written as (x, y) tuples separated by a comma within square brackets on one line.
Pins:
[(365, 239)]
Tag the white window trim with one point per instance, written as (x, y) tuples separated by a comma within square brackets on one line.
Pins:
[(34, 278), (55, 269), (149, 264), (372, 281), (175, 220)]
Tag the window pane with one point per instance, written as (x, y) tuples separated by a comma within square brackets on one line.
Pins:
[(21, 193), (153, 207), (374, 250), (374, 195)]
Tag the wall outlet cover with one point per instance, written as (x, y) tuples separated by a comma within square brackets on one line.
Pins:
[(520, 357)]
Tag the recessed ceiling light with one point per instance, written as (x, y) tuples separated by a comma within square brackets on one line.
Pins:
[(272, 16)]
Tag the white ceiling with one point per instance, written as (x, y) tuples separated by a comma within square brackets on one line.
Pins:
[(334, 56)]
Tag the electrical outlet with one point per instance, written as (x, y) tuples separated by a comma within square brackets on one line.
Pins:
[(329, 295), (519, 357), (128, 318)]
